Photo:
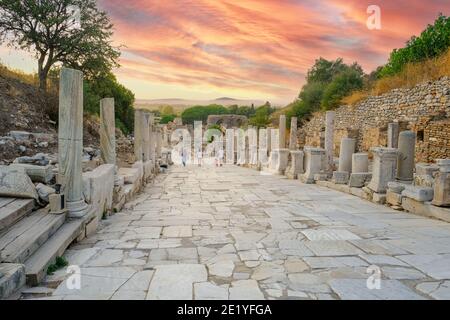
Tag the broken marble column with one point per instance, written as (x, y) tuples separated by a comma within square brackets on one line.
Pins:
[(293, 134), (198, 140), (442, 184), (348, 147), (279, 161), (263, 158), (138, 149), (360, 163), (296, 167), (406, 156), (282, 132), (384, 167), (158, 143), (252, 134), (274, 139), (107, 131), (152, 138), (269, 140), (393, 132), (70, 140), (360, 170), (230, 155), (329, 140), (145, 136), (313, 163)]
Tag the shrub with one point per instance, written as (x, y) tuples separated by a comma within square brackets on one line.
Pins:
[(201, 113)]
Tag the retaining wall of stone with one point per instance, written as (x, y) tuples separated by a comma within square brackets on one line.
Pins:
[(424, 109)]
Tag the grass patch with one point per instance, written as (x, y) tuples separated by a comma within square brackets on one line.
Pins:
[(60, 263)]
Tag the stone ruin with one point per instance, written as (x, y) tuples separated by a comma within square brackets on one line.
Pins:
[(73, 190)]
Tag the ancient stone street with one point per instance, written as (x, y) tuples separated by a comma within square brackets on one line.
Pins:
[(232, 233)]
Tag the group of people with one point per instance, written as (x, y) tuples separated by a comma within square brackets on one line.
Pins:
[(199, 155)]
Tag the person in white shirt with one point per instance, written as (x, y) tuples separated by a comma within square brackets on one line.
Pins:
[(219, 159)]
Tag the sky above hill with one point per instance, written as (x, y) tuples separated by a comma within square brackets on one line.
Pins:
[(247, 49)]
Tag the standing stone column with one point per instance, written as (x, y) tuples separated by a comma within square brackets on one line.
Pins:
[(293, 134), (348, 147), (107, 131), (198, 139), (263, 158), (329, 139), (442, 184), (138, 149), (360, 163), (152, 138), (145, 131), (406, 156), (393, 132), (70, 140), (158, 143), (230, 156), (313, 163), (384, 166), (269, 140), (282, 132)]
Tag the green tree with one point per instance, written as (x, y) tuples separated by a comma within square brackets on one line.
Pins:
[(201, 113), (341, 86), (52, 32), (107, 86), (166, 118), (262, 116), (432, 42)]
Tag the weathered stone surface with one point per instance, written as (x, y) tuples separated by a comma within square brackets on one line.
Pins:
[(313, 163), (360, 163), (406, 156), (437, 290), (340, 177), (359, 180), (175, 282), (12, 278), (396, 187), (436, 266), (393, 132), (209, 291), (70, 144), (107, 131), (43, 174), (245, 290), (15, 183), (278, 161), (329, 139), (296, 167), (98, 188), (393, 198), (44, 192), (348, 147), (384, 168), (293, 134), (282, 132), (356, 289), (418, 193), (442, 185)]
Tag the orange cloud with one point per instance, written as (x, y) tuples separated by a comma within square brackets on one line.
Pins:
[(259, 48)]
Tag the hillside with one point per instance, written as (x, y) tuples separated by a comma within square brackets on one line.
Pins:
[(24, 108)]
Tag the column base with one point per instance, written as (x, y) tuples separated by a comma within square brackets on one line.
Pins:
[(77, 209)]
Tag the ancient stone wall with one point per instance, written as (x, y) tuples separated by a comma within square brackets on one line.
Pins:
[(424, 109)]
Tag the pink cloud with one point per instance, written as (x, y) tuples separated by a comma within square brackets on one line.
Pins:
[(263, 47)]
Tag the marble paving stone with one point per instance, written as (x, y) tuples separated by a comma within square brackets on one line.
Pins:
[(334, 262), (175, 282), (383, 260), (177, 232), (436, 266), (437, 290), (245, 290), (221, 268), (330, 234), (106, 258), (333, 248), (356, 289), (209, 291), (401, 273)]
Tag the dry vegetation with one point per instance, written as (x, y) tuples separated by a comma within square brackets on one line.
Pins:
[(411, 75)]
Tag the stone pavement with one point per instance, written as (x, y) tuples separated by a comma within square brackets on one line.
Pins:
[(232, 233)]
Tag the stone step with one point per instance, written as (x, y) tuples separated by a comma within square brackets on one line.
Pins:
[(12, 278), (26, 236), (12, 210), (36, 266)]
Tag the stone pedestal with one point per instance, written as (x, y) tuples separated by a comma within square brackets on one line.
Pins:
[(107, 131), (442, 184), (384, 166), (313, 163), (393, 132), (282, 132), (279, 161), (348, 147), (406, 156), (329, 139), (340, 177), (360, 163), (296, 168), (293, 134), (70, 140)]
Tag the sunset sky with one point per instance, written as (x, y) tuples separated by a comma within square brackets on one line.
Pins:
[(247, 49)]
